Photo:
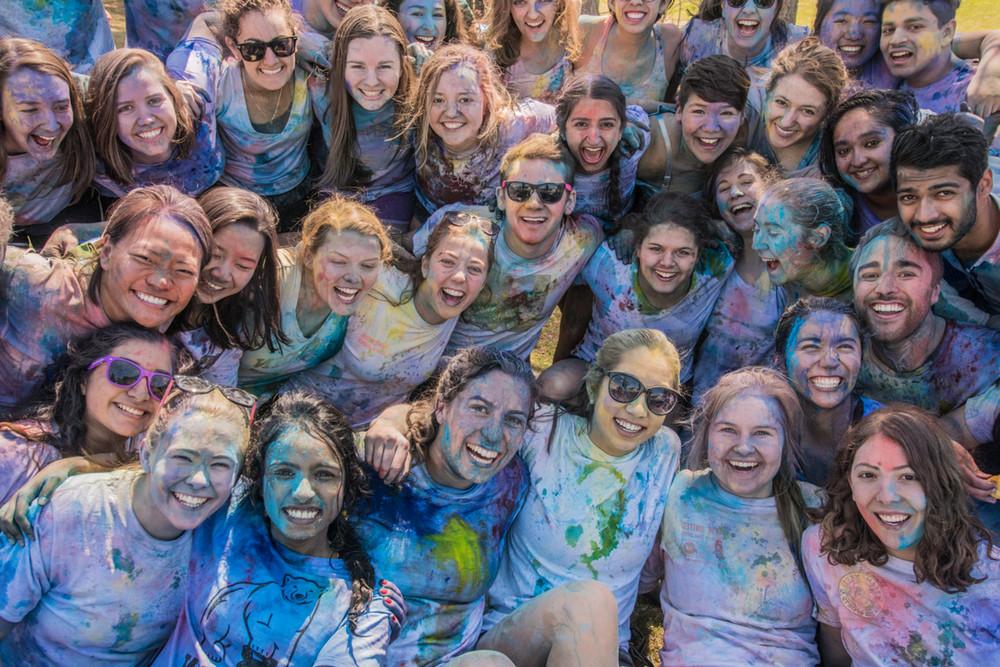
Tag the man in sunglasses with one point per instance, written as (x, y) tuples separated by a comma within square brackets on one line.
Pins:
[(540, 248)]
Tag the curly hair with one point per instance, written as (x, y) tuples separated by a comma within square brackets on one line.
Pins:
[(474, 362), (949, 548), (818, 65), (813, 203), (801, 310), (312, 415), (503, 40), (233, 11), (671, 208)]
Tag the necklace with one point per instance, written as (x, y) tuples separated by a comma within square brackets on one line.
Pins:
[(254, 99)]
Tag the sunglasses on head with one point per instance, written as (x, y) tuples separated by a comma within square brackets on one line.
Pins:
[(126, 374), (763, 4), (253, 50), (189, 384), (459, 219), (548, 193), (625, 388)]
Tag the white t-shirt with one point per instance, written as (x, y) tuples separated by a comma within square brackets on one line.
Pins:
[(732, 593), (587, 515), (93, 587), (886, 618)]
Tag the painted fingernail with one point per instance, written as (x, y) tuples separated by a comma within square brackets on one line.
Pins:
[(383, 591), (388, 602), (382, 582)]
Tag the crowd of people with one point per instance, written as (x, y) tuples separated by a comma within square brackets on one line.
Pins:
[(272, 276)]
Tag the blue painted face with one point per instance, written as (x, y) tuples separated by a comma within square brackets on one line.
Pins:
[(784, 245), (303, 490), (823, 358), (851, 29)]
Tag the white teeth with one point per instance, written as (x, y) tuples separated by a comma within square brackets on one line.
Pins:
[(862, 174), (628, 427), (826, 382), (852, 50), (454, 293), (887, 307), (746, 23), (346, 293), (190, 501), (783, 132), (150, 299), (481, 454), (212, 287), (453, 124), (591, 155), (271, 71), (740, 208), (129, 410), (899, 54), (342, 7), (533, 221), (932, 229), (43, 141), (892, 518), (535, 25), (424, 39), (709, 142), (635, 16), (665, 275), (150, 134), (742, 465), (303, 514)]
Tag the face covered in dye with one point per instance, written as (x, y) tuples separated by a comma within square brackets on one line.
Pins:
[(851, 29), (709, 128), (424, 22), (303, 490), (147, 119), (195, 461), (532, 226), (667, 258), (748, 27), (482, 428), (745, 444), (789, 250), (938, 205), (454, 274), (151, 274), (889, 496), (236, 253), (912, 40), (344, 268), (270, 73), (593, 131), (862, 147), (458, 109), (534, 18), (794, 113), (636, 16), (37, 113), (616, 428), (738, 188), (112, 410), (894, 288), (372, 71), (823, 358)]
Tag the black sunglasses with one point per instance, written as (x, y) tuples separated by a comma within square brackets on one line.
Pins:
[(254, 50), (191, 384), (625, 388), (549, 193), (763, 4)]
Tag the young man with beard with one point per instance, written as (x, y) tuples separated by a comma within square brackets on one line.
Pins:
[(943, 187), (540, 248), (912, 355)]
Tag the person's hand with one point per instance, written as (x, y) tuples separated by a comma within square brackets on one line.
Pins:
[(17, 514), (418, 54), (632, 138), (622, 243), (61, 242), (396, 604), (387, 451), (977, 482), (192, 99), (983, 94)]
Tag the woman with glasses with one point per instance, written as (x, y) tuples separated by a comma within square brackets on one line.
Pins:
[(106, 395), (672, 286), (733, 591), (261, 100), (103, 580)]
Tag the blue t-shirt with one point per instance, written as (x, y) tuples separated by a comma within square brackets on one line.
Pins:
[(77, 30)]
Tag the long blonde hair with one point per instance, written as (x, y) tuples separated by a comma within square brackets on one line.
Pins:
[(503, 39)]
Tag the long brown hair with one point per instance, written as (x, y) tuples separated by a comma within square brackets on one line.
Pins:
[(455, 29), (76, 150), (949, 547), (102, 108), (344, 168), (503, 40)]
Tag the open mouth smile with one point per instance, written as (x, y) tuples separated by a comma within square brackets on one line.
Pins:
[(301, 515), (150, 299), (189, 501), (628, 428), (481, 456)]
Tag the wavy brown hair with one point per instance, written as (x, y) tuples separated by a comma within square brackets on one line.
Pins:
[(455, 29), (949, 548), (102, 108), (503, 40), (233, 11), (77, 149)]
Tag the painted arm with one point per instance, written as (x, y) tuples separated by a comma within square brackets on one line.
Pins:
[(984, 90), (831, 647), (66, 238), (386, 448)]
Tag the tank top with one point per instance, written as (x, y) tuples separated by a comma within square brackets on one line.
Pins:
[(543, 87), (653, 87)]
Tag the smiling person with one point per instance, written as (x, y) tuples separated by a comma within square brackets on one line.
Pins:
[(711, 103), (104, 579), (370, 82), (802, 89), (143, 131), (818, 344), (463, 121), (77, 31), (534, 43), (282, 576), (430, 23), (46, 152), (321, 283), (943, 186), (632, 48), (738, 501), (912, 355), (541, 248), (401, 327), (671, 286), (799, 234), (236, 307), (857, 147), (900, 568), (106, 394), (262, 102), (156, 242)]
